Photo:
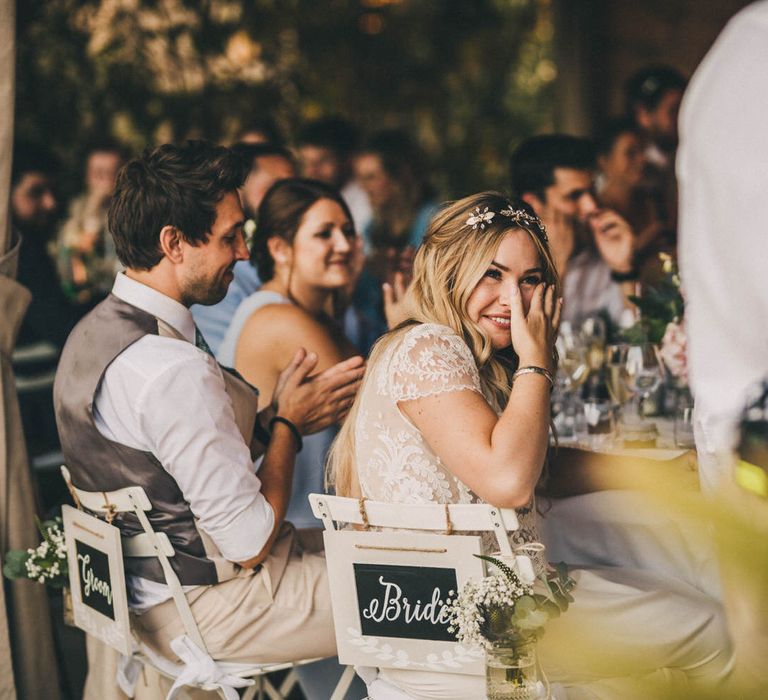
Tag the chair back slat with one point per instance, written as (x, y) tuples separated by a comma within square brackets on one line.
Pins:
[(100, 501), (143, 545), (472, 517), (391, 575)]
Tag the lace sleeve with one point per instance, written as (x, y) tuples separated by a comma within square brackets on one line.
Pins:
[(430, 360)]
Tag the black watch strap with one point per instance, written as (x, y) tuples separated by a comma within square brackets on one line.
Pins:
[(630, 276)]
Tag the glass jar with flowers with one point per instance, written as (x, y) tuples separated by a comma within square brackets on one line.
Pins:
[(505, 615)]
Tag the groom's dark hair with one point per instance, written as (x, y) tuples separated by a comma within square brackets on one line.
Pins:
[(170, 185)]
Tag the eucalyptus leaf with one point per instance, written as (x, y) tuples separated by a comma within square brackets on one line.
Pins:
[(14, 566)]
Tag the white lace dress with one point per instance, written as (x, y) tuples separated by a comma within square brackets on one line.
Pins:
[(636, 615), (394, 462)]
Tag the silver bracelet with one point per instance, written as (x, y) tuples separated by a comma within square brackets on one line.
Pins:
[(535, 370)]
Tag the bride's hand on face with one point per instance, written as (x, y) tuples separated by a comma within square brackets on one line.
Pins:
[(533, 335)]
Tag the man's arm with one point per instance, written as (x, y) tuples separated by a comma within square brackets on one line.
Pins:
[(615, 242), (310, 404)]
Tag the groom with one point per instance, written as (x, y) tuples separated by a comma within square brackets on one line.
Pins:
[(141, 401)]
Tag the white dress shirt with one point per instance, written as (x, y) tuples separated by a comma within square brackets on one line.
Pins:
[(589, 289), (165, 396), (722, 170)]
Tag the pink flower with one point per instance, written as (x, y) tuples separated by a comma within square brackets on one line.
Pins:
[(673, 350)]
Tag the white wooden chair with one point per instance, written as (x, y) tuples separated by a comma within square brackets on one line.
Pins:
[(200, 670), (387, 587)]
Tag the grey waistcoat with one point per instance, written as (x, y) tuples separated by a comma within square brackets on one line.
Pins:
[(99, 464)]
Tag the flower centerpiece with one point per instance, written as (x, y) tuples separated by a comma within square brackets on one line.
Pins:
[(47, 563), (661, 322), (659, 305), (505, 614)]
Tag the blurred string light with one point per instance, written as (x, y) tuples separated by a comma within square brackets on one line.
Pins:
[(371, 23), (162, 36), (150, 61)]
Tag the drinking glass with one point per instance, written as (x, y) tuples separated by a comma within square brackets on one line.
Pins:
[(633, 372), (599, 424), (572, 352), (593, 334), (641, 373), (572, 372), (615, 358), (684, 419)]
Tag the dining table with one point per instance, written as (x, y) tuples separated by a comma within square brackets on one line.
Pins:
[(628, 527)]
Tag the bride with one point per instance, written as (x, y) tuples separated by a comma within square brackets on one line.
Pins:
[(454, 408)]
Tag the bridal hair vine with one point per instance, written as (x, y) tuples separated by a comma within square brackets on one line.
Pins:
[(479, 219)]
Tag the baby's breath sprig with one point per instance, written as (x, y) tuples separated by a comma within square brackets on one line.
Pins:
[(46, 563), (502, 608)]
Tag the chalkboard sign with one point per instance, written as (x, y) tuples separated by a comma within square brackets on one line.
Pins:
[(388, 591), (95, 581), (404, 601), (97, 578)]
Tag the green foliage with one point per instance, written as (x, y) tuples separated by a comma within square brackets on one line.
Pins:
[(45, 564), (15, 564), (659, 305), (524, 621), (468, 79)]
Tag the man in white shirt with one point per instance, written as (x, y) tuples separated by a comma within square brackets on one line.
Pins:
[(722, 171), (593, 248), (140, 400)]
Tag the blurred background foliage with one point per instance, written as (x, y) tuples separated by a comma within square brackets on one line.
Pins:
[(468, 78)]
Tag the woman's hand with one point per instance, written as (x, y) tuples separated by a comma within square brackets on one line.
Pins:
[(395, 305), (533, 336)]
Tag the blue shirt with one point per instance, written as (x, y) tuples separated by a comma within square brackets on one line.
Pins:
[(214, 320)]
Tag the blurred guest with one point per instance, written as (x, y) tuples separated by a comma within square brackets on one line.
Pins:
[(85, 251), (262, 131), (269, 163), (391, 170), (621, 162), (50, 316), (653, 97), (326, 148), (593, 248), (303, 250)]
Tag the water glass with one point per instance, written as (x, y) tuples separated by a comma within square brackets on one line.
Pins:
[(599, 423), (684, 421)]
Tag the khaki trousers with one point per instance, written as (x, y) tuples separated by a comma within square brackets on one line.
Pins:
[(282, 612)]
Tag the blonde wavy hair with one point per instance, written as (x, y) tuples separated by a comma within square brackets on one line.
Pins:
[(449, 264)]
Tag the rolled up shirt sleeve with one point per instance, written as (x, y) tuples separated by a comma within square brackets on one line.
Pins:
[(187, 417)]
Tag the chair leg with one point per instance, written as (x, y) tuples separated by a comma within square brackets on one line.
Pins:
[(271, 691), (250, 691), (344, 682), (290, 680)]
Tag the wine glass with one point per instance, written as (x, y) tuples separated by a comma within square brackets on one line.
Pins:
[(615, 357), (641, 372), (593, 334), (572, 372), (572, 353)]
